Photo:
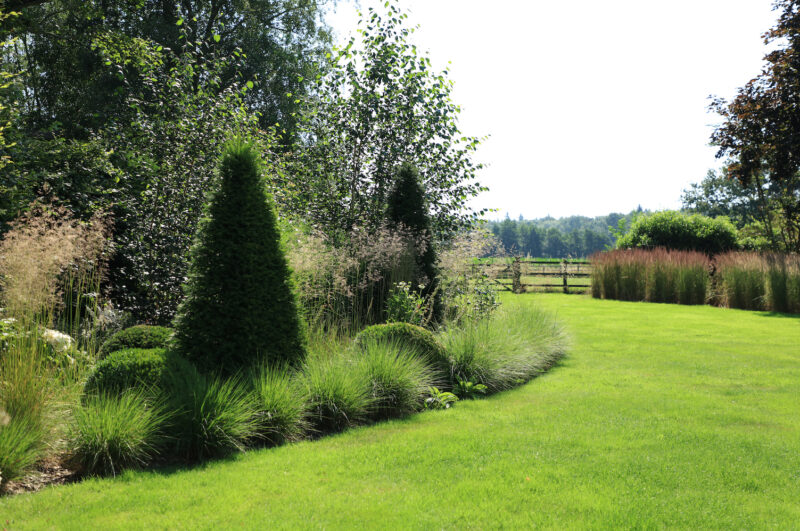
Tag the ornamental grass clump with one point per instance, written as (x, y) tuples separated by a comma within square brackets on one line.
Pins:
[(342, 284), (337, 392), (23, 440), (212, 416), (281, 404), (412, 337), (505, 351), (240, 307), (115, 432), (397, 375)]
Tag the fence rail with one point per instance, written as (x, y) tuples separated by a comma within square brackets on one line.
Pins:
[(519, 274)]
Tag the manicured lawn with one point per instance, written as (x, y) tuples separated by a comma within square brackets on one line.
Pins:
[(661, 416)]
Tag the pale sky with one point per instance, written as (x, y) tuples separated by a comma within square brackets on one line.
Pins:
[(593, 106)]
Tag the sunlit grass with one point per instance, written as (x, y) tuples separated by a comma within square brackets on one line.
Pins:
[(661, 416)]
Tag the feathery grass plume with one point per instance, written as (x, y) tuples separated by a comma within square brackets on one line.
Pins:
[(212, 416), (341, 285), (467, 290), (114, 432), (51, 266), (398, 377), (282, 408), (657, 275), (507, 350), (240, 306)]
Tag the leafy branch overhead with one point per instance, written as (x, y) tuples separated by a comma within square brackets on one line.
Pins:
[(377, 105)]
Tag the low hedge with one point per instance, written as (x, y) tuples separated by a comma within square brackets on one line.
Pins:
[(133, 368), (138, 337)]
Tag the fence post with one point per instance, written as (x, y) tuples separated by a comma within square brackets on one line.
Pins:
[(564, 272), (516, 276)]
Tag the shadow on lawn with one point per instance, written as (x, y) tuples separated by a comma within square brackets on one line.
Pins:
[(780, 315)]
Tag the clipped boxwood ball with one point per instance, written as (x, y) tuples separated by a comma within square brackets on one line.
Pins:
[(416, 337), (126, 369), (139, 336)]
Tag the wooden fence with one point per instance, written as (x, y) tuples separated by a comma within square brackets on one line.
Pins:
[(519, 274)]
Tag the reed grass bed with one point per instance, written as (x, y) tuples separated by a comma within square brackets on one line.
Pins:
[(658, 275), (744, 280)]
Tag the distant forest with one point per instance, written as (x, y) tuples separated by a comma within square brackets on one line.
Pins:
[(570, 237)]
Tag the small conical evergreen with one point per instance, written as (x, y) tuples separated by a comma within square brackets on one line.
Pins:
[(407, 208), (240, 307)]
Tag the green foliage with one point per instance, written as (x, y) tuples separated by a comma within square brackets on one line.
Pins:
[(112, 433), (239, 307), (139, 337), (280, 43), (133, 368), (416, 338), (337, 393), (753, 206), (212, 416), (758, 133), (677, 231), (439, 399), (505, 351), (398, 378), (281, 405), (468, 390), (407, 210), (469, 299), (167, 145), (406, 306), (379, 104), (647, 396)]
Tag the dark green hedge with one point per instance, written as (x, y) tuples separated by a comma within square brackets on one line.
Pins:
[(139, 336)]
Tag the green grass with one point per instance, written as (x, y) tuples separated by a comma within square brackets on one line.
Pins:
[(660, 416)]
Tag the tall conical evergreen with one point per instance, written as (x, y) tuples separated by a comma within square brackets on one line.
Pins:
[(407, 208), (239, 307)]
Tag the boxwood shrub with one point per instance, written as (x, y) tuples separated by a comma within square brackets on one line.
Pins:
[(133, 368), (417, 338), (139, 336)]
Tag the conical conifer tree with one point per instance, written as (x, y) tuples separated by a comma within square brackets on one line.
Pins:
[(407, 209), (239, 307)]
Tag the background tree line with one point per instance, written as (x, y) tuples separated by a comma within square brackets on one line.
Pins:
[(567, 237)]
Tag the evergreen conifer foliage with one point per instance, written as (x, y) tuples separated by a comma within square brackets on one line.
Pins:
[(239, 306), (407, 209)]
